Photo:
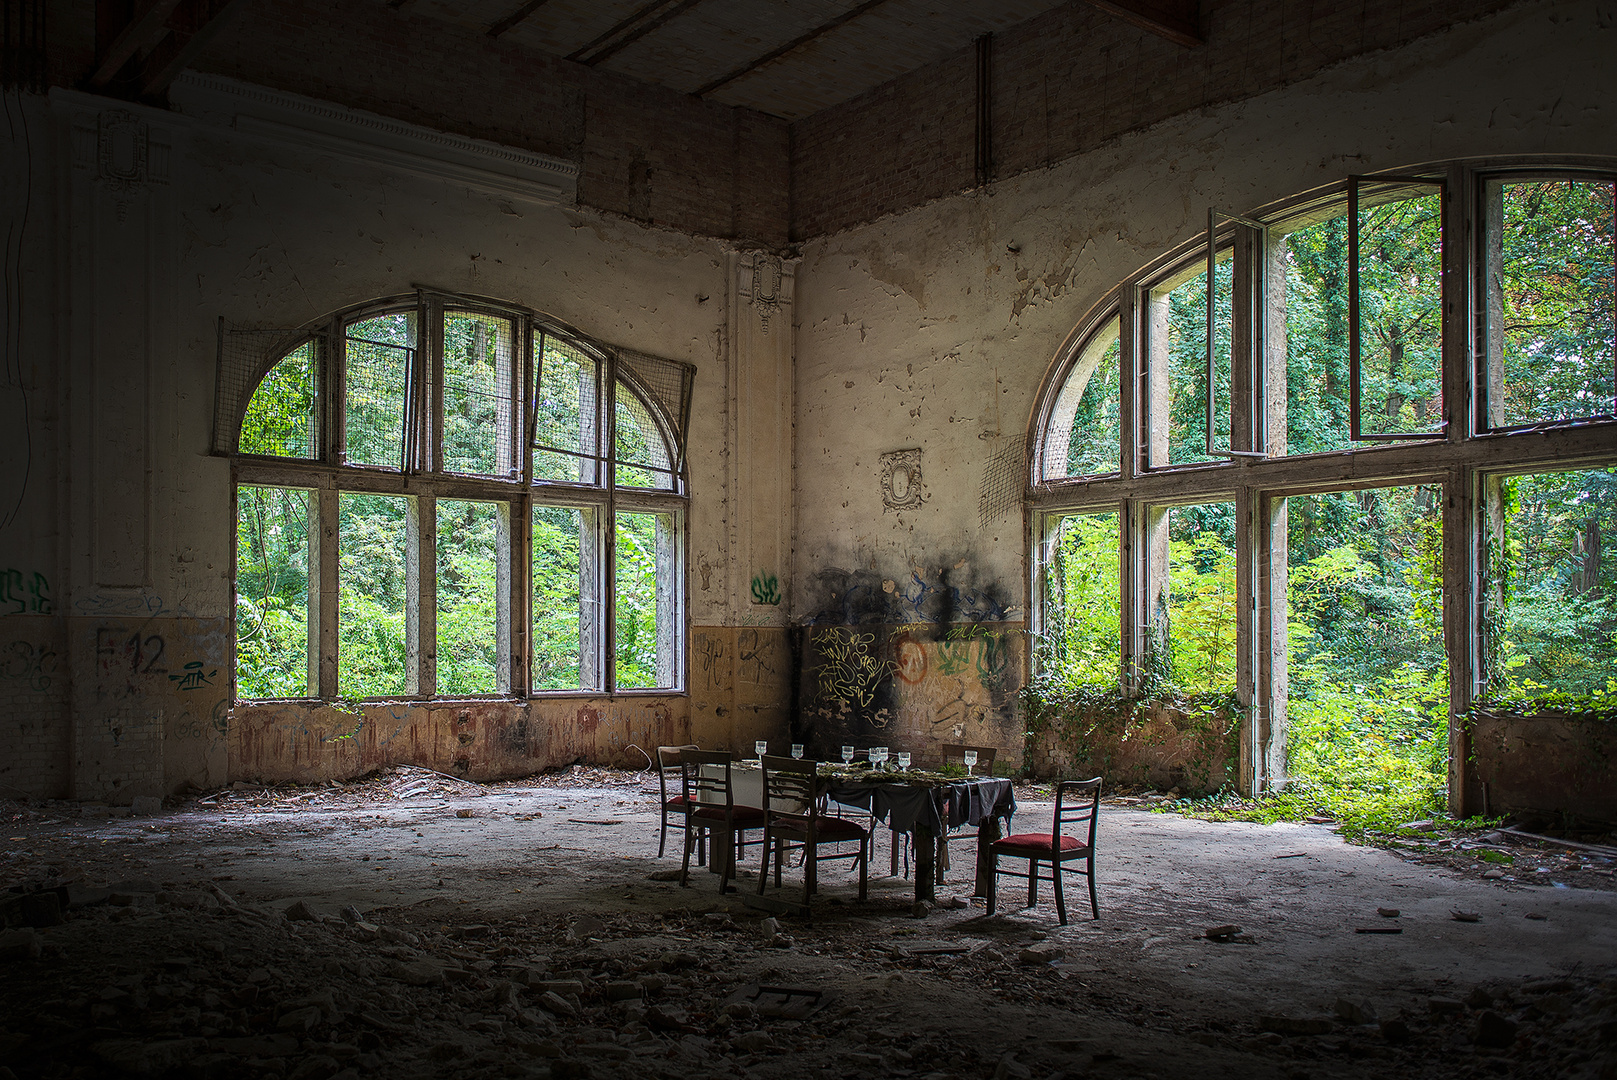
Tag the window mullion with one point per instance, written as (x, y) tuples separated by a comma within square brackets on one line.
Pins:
[(606, 441), (323, 620), (421, 597), (1131, 368)]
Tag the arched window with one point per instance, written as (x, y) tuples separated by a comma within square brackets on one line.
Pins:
[(1345, 464), (439, 496)]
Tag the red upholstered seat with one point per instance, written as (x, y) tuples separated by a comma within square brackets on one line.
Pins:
[(677, 800), (826, 828), (1011, 845), (738, 813)]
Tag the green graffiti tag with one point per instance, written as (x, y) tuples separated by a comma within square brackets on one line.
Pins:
[(765, 588)]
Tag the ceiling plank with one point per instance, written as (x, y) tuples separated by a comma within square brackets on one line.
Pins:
[(640, 31), (796, 43), (142, 31), (515, 17), (1176, 20), (644, 11), (193, 24)]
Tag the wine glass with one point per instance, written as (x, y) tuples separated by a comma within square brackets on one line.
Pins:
[(904, 760), (970, 758), (762, 746), (797, 750), (878, 756), (847, 755)]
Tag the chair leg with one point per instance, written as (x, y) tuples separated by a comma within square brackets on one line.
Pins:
[(685, 864), (780, 857), (993, 881), (811, 866), (763, 869), (893, 870), (701, 846), (865, 847), (1032, 882), (1061, 901), (1094, 905), (662, 837)]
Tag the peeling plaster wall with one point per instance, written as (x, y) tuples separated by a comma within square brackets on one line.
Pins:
[(933, 329), (116, 656)]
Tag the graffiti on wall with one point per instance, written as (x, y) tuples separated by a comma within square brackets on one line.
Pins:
[(765, 588), (30, 663), (22, 593)]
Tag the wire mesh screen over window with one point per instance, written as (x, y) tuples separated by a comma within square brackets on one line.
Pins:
[(666, 386), (639, 452), (272, 413), (380, 353), (565, 436), (479, 395)]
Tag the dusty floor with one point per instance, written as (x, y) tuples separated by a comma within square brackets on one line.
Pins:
[(469, 957)]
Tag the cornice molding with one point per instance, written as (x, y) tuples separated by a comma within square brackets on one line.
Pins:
[(369, 138)]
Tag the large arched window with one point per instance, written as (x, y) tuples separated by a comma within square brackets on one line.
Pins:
[(440, 496), (1355, 451)]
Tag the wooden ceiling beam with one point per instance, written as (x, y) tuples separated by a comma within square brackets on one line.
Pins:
[(192, 25), (515, 17), (144, 28), (792, 45), (1176, 20)]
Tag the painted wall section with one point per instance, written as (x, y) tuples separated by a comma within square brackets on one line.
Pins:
[(117, 651), (931, 331)]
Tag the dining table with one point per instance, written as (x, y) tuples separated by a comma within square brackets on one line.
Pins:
[(926, 805)]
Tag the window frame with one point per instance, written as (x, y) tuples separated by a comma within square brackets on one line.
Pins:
[(424, 481), (1461, 458)]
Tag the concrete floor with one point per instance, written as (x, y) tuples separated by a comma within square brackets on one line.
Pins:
[(482, 888)]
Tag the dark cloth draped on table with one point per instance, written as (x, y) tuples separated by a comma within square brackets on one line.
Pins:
[(936, 807)]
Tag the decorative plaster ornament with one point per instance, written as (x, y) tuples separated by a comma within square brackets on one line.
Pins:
[(901, 479)]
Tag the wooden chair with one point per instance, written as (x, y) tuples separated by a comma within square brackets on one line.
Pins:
[(794, 811), (1077, 804), (705, 784), (674, 807), (955, 754)]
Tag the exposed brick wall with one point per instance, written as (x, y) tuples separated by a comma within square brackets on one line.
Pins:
[(1066, 82), (644, 151)]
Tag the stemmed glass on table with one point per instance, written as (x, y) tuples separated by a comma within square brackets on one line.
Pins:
[(970, 758), (762, 746), (878, 756), (797, 750), (847, 755), (904, 760)]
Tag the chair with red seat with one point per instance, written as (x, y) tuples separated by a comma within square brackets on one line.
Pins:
[(795, 811), (710, 798), (1077, 804), (674, 807)]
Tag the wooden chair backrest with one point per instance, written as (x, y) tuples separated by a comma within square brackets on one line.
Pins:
[(668, 766), (706, 785), (1077, 804), (791, 788)]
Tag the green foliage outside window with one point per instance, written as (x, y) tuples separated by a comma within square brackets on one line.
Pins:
[(636, 649), (1186, 356), (1551, 293), (280, 419), (272, 592), (1552, 620), (378, 357), (371, 601), (560, 536), (468, 608), (477, 415)]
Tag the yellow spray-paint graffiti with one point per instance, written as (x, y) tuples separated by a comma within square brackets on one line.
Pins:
[(851, 671)]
